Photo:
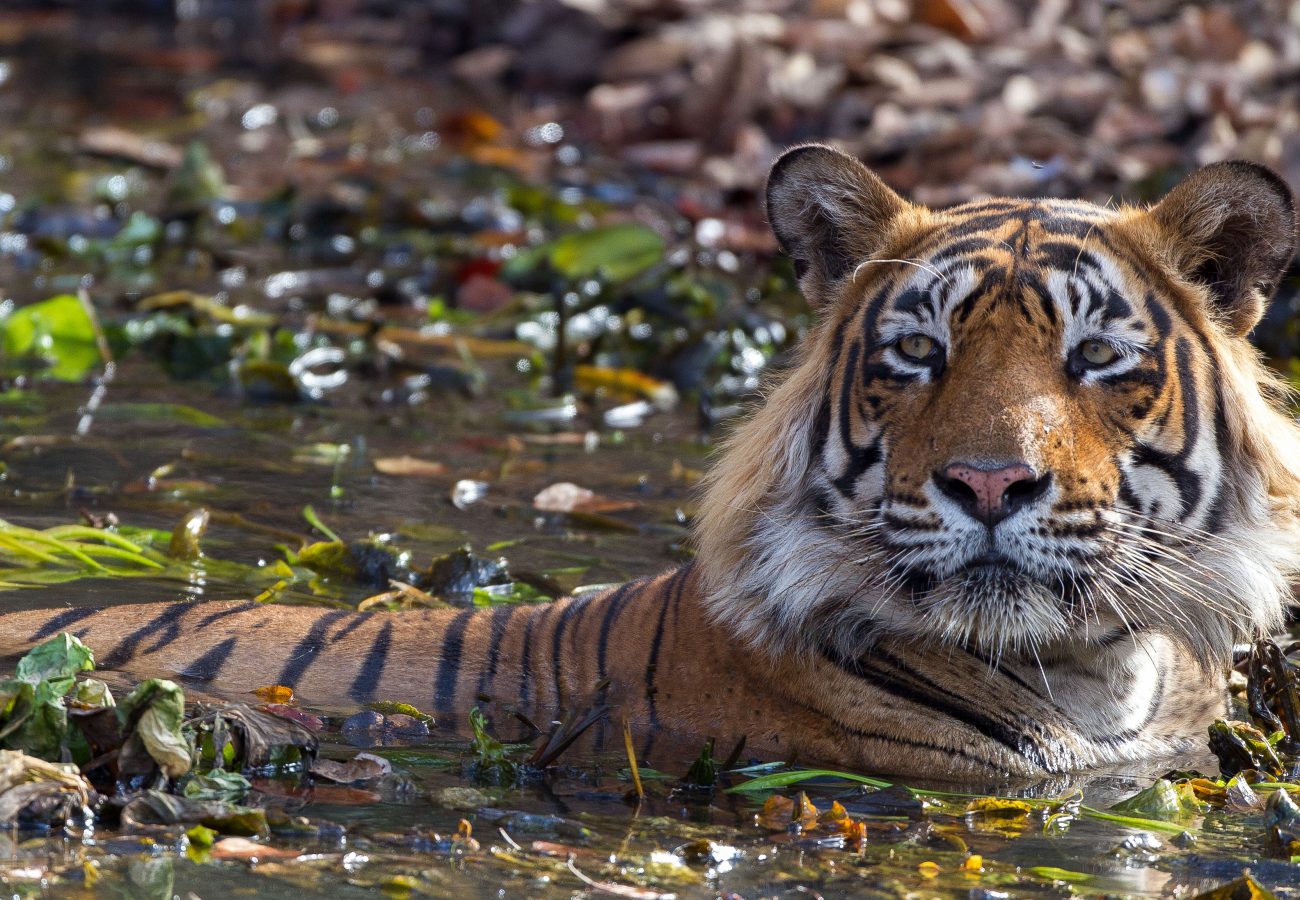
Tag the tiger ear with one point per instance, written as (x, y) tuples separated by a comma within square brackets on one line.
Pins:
[(1231, 228), (828, 211)]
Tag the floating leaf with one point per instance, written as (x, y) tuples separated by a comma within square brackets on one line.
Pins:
[(1240, 746), (91, 693), (616, 252), (566, 497), (998, 808), (1282, 821), (392, 707), (785, 779), (201, 836), (362, 767), (253, 737), (156, 808), (275, 693), (216, 785), (1164, 800), (1056, 874), (244, 849)]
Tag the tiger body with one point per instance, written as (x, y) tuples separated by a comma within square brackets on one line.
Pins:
[(1009, 511), (674, 673)]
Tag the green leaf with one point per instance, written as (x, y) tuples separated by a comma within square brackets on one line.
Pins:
[(1056, 874), (392, 707), (35, 717), (614, 252), (92, 693), (152, 715), (785, 779), (329, 558), (165, 412), (139, 230), (58, 331), (309, 513), (617, 252), (201, 836), (1164, 800), (216, 785), (61, 657), (157, 808)]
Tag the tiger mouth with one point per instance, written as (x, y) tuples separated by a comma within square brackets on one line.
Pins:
[(990, 583), (990, 564), (984, 570)]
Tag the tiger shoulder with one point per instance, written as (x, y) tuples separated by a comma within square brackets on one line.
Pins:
[(1025, 486)]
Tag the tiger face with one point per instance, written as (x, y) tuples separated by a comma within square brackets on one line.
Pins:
[(1020, 426)]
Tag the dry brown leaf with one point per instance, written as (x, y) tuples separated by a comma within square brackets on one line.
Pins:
[(410, 466), (244, 849), (275, 693), (566, 497), (362, 767)]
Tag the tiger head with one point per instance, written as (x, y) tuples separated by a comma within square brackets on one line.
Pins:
[(1019, 425)]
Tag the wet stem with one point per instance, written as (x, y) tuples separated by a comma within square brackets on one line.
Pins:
[(561, 370)]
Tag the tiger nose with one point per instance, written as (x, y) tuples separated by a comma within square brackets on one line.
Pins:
[(991, 494)]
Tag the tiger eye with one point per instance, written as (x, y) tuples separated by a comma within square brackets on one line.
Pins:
[(1097, 353), (916, 346)]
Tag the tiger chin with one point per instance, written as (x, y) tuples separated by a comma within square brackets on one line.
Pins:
[(1023, 489)]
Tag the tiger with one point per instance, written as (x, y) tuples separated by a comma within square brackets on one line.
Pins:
[(1007, 512)]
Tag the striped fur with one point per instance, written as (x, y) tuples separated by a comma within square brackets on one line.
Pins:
[(848, 607)]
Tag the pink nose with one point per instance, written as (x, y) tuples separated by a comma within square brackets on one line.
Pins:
[(991, 495)]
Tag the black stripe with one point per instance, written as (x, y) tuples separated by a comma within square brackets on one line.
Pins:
[(209, 665), (847, 381), (125, 650), (574, 608), (361, 619), (304, 652), (613, 606), (526, 659), (500, 618), (1175, 465), (367, 680), (860, 459), (62, 621), (1065, 256), (1159, 315), (671, 594), (453, 643), (231, 611), (615, 602)]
